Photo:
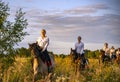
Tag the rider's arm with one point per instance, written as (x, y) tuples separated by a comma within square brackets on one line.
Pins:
[(38, 41), (46, 45), (82, 49)]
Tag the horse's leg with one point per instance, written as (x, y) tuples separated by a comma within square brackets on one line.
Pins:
[(99, 61), (102, 59), (35, 72), (75, 68), (34, 76), (79, 65), (35, 68), (117, 61), (43, 75), (87, 63), (32, 62)]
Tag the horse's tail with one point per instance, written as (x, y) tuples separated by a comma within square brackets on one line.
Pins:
[(87, 61)]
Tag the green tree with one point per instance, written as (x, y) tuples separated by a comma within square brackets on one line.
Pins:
[(11, 32)]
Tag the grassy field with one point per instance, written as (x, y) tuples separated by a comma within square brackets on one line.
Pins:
[(21, 71)]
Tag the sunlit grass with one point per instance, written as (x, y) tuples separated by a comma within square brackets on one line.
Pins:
[(20, 71)]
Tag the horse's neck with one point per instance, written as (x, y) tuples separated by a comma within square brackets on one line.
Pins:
[(103, 55), (40, 60), (118, 57)]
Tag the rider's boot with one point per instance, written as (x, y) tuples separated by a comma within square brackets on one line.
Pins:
[(48, 64), (49, 69)]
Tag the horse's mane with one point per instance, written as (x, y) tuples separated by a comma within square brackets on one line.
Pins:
[(31, 46), (35, 49), (73, 51)]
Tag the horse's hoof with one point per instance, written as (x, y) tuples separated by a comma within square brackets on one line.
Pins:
[(50, 74)]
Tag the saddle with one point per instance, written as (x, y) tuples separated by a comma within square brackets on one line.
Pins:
[(81, 60), (42, 55)]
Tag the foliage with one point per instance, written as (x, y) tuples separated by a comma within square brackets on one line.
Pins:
[(92, 54), (19, 71), (62, 55), (10, 32), (22, 52), (6, 62)]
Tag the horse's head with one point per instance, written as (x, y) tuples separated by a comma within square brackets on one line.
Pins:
[(72, 52), (35, 49), (32, 46), (102, 53)]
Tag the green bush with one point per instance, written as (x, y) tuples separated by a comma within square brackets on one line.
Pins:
[(92, 54)]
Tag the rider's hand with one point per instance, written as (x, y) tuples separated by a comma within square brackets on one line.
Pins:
[(36, 42), (42, 51)]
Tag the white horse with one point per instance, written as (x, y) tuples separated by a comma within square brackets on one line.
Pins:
[(37, 64)]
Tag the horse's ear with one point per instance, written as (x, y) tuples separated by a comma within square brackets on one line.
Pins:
[(29, 44), (71, 49), (36, 42)]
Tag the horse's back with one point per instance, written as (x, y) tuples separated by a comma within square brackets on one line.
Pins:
[(43, 65)]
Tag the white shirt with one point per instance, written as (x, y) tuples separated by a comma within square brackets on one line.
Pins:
[(43, 43), (79, 47), (107, 51), (117, 53), (112, 51)]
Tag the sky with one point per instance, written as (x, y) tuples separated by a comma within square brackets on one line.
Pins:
[(96, 21)]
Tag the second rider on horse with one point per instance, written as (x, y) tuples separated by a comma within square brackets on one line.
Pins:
[(79, 48)]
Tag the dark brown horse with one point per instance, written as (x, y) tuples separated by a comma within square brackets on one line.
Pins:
[(79, 63), (103, 58), (73, 55), (37, 64), (118, 59)]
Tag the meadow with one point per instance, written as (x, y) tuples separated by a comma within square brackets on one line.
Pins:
[(15, 64), (19, 70)]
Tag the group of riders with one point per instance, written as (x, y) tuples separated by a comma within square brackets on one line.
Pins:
[(43, 42), (110, 53)]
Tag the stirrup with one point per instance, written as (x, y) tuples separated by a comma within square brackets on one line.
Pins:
[(49, 70)]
